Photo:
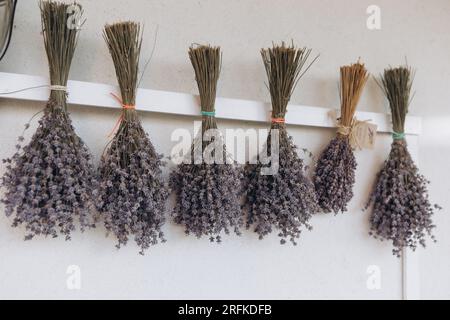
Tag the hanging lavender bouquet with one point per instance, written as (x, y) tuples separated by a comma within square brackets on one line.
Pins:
[(206, 185), (282, 198), (49, 182), (132, 194), (401, 210), (335, 171)]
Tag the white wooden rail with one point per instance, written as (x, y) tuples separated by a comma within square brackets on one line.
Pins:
[(98, 95)]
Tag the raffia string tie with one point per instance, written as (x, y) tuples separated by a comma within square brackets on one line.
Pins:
[(398, 135), (344, 130), (350, 131), (124, 106)]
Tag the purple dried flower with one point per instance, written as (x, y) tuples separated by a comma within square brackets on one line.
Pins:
[(208, 198), (208, 195), (335, 171), (132, 192), (335, 176), (401, 210), (50, 181), (283, 201)]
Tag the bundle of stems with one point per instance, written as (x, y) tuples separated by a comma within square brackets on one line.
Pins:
[(283, 199), (335, 171), (207, 62), (49, 182), (132, 192), (207, 184), (401, 210)]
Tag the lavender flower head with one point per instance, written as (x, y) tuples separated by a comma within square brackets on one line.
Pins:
[(335, 171), (284, 200), (400, 208), (208, 198), (132, 192), (207, 192), (49, 182)]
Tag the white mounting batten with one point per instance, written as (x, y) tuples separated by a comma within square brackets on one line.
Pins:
[(98, 95)]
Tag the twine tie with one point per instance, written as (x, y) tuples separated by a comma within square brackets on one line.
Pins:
[(350, 131)]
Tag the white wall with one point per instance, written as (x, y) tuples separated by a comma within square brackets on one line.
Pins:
[(331, 261)]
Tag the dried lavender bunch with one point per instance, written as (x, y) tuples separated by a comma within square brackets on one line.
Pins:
[(132, 192), (284, 200), (207, 187), (50, 181), (401, 211), (335, 171)]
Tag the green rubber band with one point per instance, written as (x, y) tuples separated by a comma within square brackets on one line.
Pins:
[(208, 113), (398, 135)]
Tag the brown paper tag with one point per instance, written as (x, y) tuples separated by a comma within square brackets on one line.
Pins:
[(364, 134), (333, 114)]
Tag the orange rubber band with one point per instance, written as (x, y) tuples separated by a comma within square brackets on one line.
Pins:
[(124, 106), (278, 120)]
